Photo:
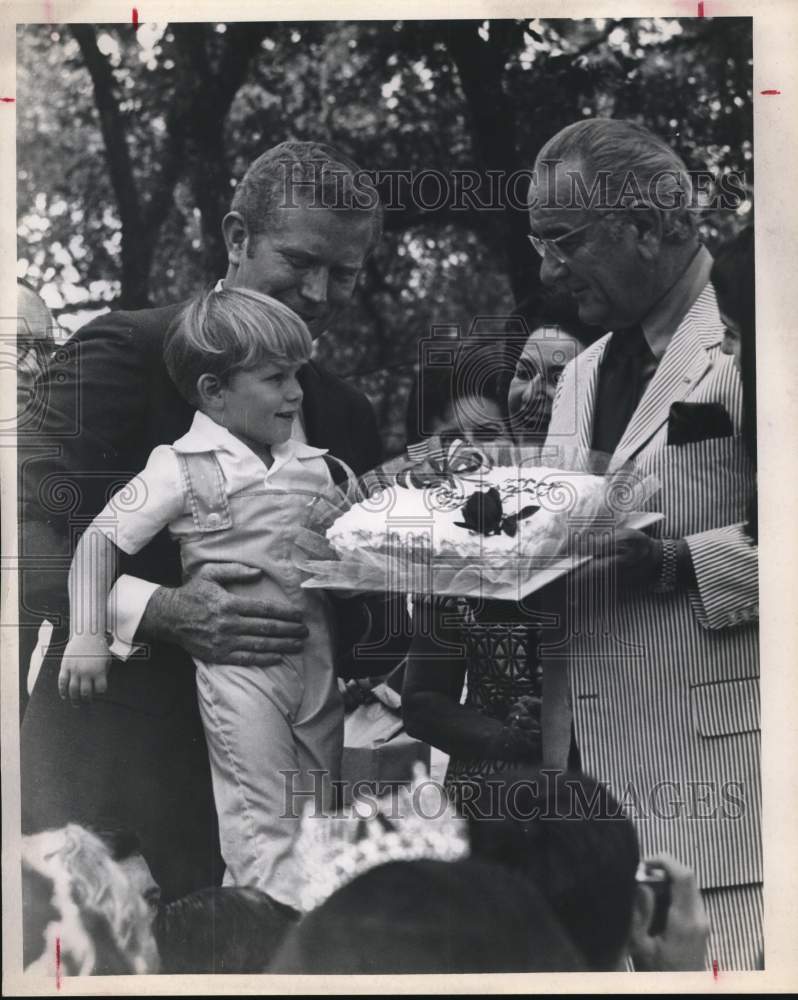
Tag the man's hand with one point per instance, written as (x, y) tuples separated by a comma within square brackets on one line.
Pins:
[(634, 556), (217, 627), (681, 947)]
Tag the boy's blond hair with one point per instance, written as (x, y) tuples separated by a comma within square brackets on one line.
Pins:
[(223, 332)]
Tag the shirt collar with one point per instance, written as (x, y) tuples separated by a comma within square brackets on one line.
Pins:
[(206, 435), (663, 320)]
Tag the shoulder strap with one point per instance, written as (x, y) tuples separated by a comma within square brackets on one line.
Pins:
[(203, 481)]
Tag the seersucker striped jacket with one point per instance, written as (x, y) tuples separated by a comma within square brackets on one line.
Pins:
[(665, 687)]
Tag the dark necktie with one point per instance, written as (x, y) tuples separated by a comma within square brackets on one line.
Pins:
[(622, 380)]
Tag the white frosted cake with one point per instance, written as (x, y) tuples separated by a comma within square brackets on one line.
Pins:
[(504, 511)]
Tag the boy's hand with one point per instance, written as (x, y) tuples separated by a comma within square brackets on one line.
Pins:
[(84, 668)]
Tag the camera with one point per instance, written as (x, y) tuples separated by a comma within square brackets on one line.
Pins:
[(658, 880)]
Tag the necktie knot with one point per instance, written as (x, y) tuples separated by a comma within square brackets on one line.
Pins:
[(630, 342)]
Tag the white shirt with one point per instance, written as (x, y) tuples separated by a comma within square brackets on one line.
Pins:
[(130, 594), (157, 498)]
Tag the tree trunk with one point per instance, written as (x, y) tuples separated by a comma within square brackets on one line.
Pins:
[(137, 243), (481, 67), (215, 90)]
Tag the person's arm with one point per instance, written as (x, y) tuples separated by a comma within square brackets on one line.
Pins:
[(431, 706), (127, 603), (726, 571), (218, 627), (718, 568), (97, 393), (84, 666), (128, 522)]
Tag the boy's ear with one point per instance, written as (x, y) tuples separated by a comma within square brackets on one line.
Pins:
[(210, 391)]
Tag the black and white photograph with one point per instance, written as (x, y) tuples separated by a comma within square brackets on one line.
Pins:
[(399, 415)]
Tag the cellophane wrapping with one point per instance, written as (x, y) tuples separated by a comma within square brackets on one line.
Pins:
[(404, 562)]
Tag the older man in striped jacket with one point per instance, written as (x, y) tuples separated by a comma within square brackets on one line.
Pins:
[(664, 696)]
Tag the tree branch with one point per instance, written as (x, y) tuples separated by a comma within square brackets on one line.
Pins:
[(112, 126), (242, 44), (75, 307)]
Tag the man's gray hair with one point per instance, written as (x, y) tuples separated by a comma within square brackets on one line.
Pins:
[(620, 163), (305, 173)]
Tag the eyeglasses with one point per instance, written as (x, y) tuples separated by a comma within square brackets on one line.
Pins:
[(543, 246)]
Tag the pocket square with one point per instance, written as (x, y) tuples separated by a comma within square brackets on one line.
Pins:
[(692, 422)]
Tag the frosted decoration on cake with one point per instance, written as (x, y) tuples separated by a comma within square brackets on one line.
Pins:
[(497, 510)]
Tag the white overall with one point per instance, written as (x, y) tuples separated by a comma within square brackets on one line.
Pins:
[(274, 734)]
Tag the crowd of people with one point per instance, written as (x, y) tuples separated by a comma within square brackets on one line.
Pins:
[(192, 691), (540, 873)]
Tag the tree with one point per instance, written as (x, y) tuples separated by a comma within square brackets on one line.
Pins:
[(128, 167)]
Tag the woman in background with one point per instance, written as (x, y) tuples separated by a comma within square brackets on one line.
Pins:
[(485, 647), (558, 335)]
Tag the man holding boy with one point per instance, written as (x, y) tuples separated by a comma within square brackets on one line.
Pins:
[(137, 756)]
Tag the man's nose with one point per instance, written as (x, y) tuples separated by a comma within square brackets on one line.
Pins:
[(551, 269), (314, 284)]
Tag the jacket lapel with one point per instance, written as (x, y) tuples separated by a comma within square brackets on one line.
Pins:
[(683, 365), (586, 382)]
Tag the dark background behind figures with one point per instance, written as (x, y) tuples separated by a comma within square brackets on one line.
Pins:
[(126, 168)]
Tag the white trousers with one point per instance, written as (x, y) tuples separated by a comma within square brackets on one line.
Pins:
[(275, 741)]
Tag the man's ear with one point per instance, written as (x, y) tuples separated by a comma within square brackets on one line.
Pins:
[(210, 392), (648, 223), (236, 237)]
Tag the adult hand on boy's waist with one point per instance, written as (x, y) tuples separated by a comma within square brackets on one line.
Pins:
[(216, 626)]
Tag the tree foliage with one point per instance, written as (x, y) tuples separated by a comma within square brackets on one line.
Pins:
[(130, 144)]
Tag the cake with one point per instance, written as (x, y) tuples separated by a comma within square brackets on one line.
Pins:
[(500, 512)]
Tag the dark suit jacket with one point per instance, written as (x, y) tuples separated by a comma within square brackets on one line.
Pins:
[(137, 757)]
